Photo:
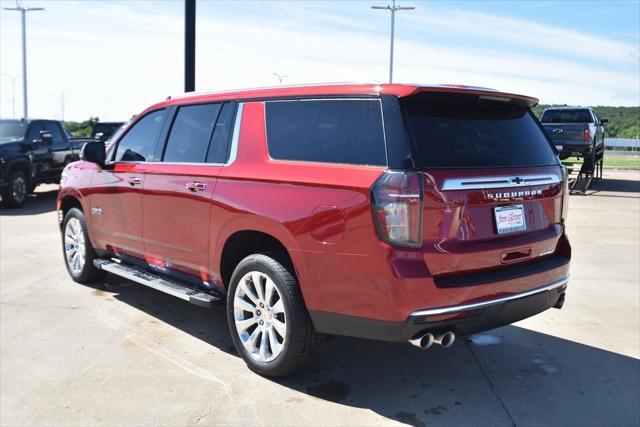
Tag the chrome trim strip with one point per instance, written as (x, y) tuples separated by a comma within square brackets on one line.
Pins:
[(233, 152), (483, 183), (473, 306)]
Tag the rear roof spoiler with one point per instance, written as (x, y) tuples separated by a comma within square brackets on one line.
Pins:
[(486, 94)]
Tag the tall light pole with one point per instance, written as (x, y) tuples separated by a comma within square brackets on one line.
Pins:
[(280, 77), (13, 93), (23, 12), (189, 45), (393, 8)]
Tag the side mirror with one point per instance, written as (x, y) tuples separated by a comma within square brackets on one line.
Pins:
[(99, 136), (94, 152), (604, 121), (46, 137)]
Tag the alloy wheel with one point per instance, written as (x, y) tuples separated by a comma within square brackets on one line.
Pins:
[(74, 245), (19, 189), (260, 317)]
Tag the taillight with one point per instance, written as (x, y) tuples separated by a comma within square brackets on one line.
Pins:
[(565, 194), (587, 133), (397, 202)]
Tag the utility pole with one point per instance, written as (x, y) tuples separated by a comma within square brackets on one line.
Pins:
[(13, 93), (280, 77), (189, 45), (62, 107), (393, 8), (23, 12)]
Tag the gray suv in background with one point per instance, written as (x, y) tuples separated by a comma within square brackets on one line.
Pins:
[(575, 131)]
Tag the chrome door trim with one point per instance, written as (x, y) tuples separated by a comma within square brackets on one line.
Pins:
[(233, 152), (482, 183), (477, 305)]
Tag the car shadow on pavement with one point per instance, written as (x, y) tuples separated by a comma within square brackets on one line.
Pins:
[(36, 203), (508, 376), (615, 186)]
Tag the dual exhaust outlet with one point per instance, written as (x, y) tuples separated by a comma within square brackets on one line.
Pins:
[(425, 341)]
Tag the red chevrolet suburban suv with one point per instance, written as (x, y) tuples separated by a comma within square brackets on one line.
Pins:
[(392, 212)]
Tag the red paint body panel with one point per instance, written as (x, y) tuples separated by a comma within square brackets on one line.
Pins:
[(321, 213)]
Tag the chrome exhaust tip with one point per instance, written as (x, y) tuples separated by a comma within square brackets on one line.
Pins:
[(423, 341), (445, 340)]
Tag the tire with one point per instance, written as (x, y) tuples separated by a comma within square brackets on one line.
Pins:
[(17, 189), (284, 353), (77, 250)]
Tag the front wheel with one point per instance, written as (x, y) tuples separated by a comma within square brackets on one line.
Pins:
[(77, 250), (269, 323)]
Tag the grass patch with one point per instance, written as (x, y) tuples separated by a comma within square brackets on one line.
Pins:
[(611, 162)]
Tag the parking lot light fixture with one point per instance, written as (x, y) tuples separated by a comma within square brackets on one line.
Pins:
[(393, 9), (23, 12)]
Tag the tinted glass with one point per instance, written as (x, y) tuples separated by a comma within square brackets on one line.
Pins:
[(332, 131), (190, 133), (219, 149), (33, 133), (462, 132), (567, 116), (139, 143), (56, 133)]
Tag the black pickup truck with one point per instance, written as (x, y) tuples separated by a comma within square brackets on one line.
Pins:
[(33, 152), (575, 131)]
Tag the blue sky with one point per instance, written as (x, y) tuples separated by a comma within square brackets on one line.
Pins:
[(112, 59)]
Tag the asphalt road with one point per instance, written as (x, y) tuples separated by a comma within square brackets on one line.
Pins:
[(121, 354)]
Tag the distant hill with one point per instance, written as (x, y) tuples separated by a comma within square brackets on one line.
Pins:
[(624, 122)]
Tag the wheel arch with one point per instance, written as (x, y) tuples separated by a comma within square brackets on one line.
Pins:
[(22, 164), (247, 237)]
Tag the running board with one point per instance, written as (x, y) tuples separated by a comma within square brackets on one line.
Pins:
[(158, 283)]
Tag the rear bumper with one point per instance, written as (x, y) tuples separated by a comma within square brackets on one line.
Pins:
[(573, 149), (462, 319)]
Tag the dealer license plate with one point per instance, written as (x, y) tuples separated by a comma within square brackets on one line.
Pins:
[(510, 219)]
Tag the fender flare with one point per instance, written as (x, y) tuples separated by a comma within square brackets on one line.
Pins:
[(261, 224)]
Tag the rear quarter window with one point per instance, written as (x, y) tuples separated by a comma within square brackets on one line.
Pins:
[(327, 131), (462, 132)]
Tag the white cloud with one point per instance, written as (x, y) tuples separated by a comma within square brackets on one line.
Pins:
[(113, 60)]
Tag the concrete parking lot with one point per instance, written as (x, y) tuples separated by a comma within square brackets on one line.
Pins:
[(117, 353)]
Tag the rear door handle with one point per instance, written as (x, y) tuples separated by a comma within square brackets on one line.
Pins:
[(134, 180), (196, 186)]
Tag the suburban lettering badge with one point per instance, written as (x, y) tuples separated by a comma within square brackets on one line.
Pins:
[(512, 194)]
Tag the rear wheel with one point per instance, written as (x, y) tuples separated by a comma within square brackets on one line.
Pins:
[(77, 250), (268, 320), (17, 189)]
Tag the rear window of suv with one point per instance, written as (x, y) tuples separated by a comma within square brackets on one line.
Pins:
[(461, 131), (328, 131), (567, 116)]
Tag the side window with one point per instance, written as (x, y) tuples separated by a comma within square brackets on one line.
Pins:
[(54, 129), (33, 132), (139, 143), (190, 133), (331, 131), (219, 149)]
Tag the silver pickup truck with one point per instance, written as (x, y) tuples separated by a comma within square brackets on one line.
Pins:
[(575, 131)]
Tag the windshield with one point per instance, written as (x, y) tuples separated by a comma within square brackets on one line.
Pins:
[(567, 116), (12, 129), (451, 131)]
